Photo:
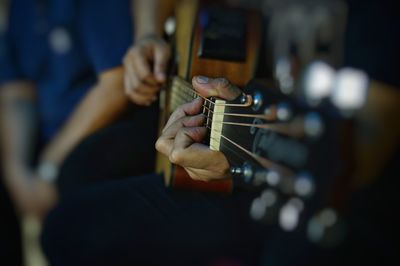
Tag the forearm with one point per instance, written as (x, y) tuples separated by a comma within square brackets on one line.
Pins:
[(18, 120), (103, 104), (150, 15)]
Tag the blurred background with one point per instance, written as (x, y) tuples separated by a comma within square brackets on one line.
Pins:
[(312, 48)]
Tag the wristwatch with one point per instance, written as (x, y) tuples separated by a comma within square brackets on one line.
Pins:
[(48, 172)]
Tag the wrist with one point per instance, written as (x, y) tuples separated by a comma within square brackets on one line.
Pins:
[(150, 35), (15, 169)]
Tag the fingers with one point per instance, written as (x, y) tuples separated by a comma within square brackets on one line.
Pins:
[(208, 175), (143, 94), (216, 87), (142, 69), (166, 141), (181, 141), (162, 53), (201, 162), (183, 148), (142, 83), (192, 108), (137, 65), (142, 98)]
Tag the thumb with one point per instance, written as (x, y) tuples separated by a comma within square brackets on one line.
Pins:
[(218, 87)]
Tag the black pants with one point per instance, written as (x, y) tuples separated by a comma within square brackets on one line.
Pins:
[(136, 221), (125, 148), (10, 234), (108, 218)]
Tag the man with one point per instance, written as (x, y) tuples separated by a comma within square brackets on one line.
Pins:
[(137, 221)]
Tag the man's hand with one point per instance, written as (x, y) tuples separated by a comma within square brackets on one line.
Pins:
[(145, 66), (182, 136), (31, 195)]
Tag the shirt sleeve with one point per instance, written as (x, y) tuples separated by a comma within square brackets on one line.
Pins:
[(106, 31), (9, 69)]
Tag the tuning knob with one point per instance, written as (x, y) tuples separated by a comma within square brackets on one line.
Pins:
[(304, 185), (318, 82), (326, 228), (313, 125), (350, 90), (284, 112), (244, 171), (289, 214), (265, 207)]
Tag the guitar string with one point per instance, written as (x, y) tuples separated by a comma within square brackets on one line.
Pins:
[(259, 159), (264, 126), (267, 164), (264, 117), (183, 93), (285, 178), (293, 129), (240, 156)]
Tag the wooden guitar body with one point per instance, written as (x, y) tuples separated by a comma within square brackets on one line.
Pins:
[(213, 42)]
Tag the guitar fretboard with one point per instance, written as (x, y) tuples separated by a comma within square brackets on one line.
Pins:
[(182, 92)]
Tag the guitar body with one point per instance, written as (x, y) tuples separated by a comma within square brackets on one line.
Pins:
[(213, 42)]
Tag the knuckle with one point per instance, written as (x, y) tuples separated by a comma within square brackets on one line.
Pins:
[(160, 144), (199, 177), (176, 157), (223, 82)]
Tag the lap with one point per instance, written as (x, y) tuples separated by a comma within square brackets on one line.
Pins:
[(137, 219), (10, 234), (125, 148)]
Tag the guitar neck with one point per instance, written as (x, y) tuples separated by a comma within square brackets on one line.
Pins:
[(181, 92)]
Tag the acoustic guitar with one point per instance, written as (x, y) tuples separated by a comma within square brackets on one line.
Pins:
[(209, 41)]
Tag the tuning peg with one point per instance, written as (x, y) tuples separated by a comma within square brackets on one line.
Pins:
[(284, 111), (318, 82), (265, 207), (304, 185), (350, 90), (269, 177), (257, 101), (313, 125), (326, 228), (289, 214), (245, 172), (283, 74)]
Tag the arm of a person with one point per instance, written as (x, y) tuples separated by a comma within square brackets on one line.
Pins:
[(150, 15), (146, 61), (103, 103), (18, 128), (18, 125)]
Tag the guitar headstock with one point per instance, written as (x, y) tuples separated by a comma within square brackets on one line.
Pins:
[(295, 150)]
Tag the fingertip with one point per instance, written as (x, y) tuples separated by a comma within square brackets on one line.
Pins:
[(198, 101), (200, 80)]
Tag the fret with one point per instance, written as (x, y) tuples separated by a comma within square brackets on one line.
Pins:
[(181, 92), (216, 125)]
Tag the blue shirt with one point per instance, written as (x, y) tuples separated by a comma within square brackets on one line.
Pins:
[(62, 46)]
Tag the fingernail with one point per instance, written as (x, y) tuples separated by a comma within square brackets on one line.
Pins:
[(202, 79)]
